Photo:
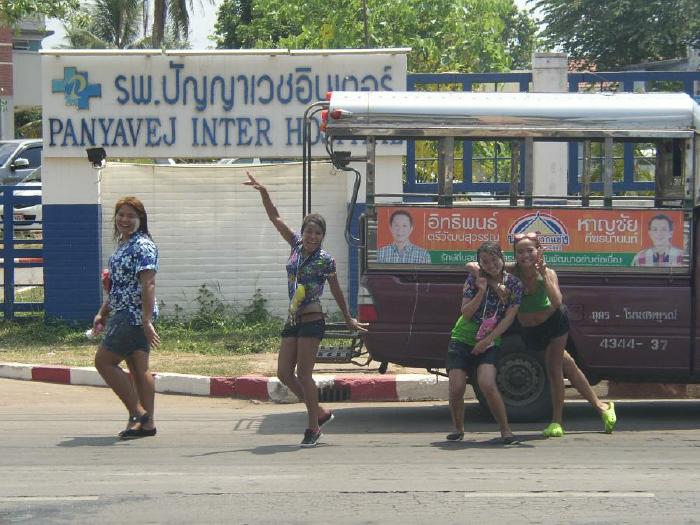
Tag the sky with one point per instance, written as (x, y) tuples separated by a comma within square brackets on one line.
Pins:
[(202, 25)]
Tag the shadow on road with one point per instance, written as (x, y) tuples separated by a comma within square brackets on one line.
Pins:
[(90, 441), (579, 417), (490, 444), (263, 450)]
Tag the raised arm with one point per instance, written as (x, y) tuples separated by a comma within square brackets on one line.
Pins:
[(473, 267), (551, 283), (272, 213), (470, 306)]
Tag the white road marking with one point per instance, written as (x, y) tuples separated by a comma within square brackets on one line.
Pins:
[(22, 499), (560, 494)]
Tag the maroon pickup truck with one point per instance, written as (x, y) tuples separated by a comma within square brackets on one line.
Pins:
[(626, 260)]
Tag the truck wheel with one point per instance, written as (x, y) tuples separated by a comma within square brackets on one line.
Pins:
[(522, 381)]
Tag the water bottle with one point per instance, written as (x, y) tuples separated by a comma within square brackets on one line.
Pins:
[(92, 333)]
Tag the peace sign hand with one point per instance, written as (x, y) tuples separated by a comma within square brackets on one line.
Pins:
[(541, 265), (254, 183)]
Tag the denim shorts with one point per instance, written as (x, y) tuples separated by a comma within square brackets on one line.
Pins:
[(459, 355), (123, 338), (314, 329), (538, 337)]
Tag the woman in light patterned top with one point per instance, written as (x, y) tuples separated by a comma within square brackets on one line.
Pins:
[(490, 301), (308, 268), (131, 307)]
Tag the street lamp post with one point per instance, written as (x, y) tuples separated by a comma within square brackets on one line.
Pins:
[(3, 108)]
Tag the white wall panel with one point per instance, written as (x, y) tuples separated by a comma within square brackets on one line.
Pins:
[(210, 229)]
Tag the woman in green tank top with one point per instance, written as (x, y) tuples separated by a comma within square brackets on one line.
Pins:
[(545, 326)]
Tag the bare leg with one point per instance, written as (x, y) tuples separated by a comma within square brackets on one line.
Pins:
[(486, 376), (145, 384), (107, 364), (306, 359), (580, 383), (457, 386), (286, 364), (554, 356)]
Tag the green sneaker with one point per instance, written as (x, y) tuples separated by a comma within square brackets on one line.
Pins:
[(609, 418), (554, 430)]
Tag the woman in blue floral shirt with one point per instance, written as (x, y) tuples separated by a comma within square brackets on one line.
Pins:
[(308, 268), (132, 308)]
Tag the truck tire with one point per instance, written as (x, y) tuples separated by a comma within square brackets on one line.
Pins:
[(522, 381)]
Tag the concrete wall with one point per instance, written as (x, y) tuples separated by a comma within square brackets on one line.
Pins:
[(210, 229), (27, 78)]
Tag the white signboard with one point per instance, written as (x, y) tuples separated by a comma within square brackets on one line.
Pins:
[(212, 105)]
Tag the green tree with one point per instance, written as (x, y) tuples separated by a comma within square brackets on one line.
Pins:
[(12, 11), (615, 33), (28, 123), (114, 24), (171, 20), (110, 24), (445, 35)]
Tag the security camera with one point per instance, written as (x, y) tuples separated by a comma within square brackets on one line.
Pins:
[(97, 157)]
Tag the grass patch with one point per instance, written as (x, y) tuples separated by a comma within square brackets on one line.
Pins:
[(216, 340), (232, 349), (30, 294)]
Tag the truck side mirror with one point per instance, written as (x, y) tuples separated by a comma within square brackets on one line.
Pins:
[(340, 159), (19, 164)]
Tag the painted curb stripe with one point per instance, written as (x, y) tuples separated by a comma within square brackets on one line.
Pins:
[(222, 386), (363, 388), (86, 376), (426, 387), (403, 387), (183, 384), (252, 387), (51, 374), (16, 371)]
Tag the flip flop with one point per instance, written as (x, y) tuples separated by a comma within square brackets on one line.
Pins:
[(134, 419), (554, 430), (135, 433), (609, 418), (510, 440)]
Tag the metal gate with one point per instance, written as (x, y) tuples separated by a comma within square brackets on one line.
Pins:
[(21, 251)]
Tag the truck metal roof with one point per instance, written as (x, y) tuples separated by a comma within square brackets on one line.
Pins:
[(553, 115)]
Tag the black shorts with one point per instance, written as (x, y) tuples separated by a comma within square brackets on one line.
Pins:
[(123, 338), (538, 337), (459, 355), (314, 329)]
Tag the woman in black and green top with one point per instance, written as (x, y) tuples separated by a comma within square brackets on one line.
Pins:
[(489, 306), (545, 327)]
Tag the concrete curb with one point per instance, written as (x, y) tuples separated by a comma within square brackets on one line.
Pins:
[(342, 387), (346, 387)]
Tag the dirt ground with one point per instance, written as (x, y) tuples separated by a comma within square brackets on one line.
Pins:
[(266, 364)]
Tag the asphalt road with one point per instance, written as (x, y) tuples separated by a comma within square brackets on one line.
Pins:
[(232, 461)]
